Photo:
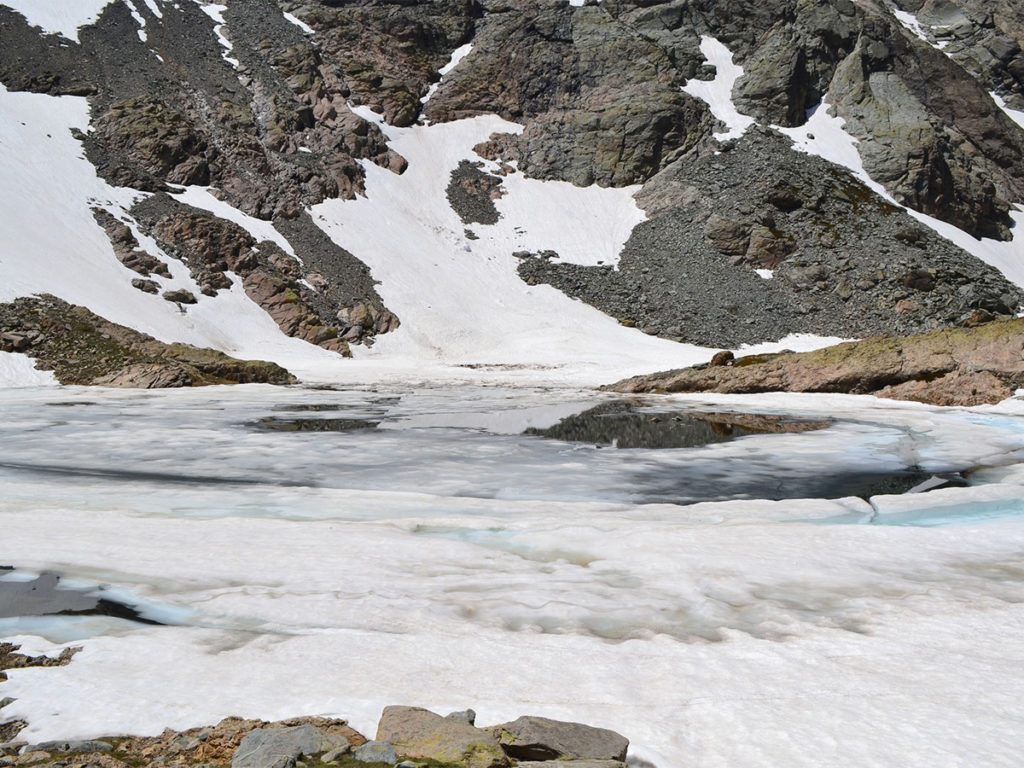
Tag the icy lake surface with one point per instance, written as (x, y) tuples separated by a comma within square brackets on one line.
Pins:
[(721, 595)]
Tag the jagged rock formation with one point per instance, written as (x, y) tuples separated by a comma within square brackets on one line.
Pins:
[(953, 366), (83, 348), (261, 108)]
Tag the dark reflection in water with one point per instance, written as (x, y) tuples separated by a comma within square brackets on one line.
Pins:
[(622, 425), (274, 424), (625, 425), (43, 597)]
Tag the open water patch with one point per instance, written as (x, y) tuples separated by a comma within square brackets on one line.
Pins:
[(48, 595)]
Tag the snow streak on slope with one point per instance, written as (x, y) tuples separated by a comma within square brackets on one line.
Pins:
[(717, 93), (50, 242), (460, 300), (457, 55), (216, 12), (825, 136), (64, 17)]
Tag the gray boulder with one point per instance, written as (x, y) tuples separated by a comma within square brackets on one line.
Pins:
[(376, 752), (419, 733), (538, 738), (66, 747), (281, 747)]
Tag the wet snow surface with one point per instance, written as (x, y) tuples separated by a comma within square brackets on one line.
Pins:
[(533, 550)]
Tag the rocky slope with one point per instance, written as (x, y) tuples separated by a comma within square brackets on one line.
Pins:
[(265, 101), (959, 366), (83, 348)]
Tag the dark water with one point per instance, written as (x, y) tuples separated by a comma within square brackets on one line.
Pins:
[(43, 597)]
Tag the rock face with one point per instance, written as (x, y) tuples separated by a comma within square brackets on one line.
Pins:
[(597, 89), (419, 733), (957, 366), (83, 348), (538, 738), (281, 747)]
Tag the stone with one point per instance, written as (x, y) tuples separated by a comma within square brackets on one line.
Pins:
[(376, 752), (727, 236), (539, 738), (467, 716), (572, 764), (146, 286), (725, 357), (281, 747), (333, 755), (181, 296), (419, 733), (69, 746)]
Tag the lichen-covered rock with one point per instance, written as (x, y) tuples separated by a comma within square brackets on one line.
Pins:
[(82, 348), (419, 733), (953, 366)]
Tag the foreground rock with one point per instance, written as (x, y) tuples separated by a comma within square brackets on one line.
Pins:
[(419, 733), (538, 738), (958, 366), (81, 347)]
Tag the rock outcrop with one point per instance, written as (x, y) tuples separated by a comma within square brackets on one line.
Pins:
[(954, 366), (82, 348)]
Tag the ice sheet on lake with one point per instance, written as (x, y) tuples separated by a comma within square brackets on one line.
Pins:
[(745, 632)]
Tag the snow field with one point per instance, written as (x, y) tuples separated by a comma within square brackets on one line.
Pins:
[(63, 17)]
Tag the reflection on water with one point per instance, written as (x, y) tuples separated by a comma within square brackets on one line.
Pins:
[(622, 425)]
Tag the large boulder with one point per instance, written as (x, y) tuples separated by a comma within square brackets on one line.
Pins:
[(538, 738), (419, 733), (281, 747)]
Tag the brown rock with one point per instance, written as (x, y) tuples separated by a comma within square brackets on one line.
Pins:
[(962, 366), (727, 236), (725, 357)]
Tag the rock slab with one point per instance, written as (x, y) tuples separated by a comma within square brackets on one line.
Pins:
[(281, 747), (538, 738)]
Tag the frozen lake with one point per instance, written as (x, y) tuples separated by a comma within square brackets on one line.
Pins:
[(727, 581)]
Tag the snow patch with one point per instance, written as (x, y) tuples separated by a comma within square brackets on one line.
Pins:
[(765, 274), (18, 370), (457, 55), (139, 19), (1014, 114), (216, 12), (155, 8), (717, 93), (63, 17), (299, 23)]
